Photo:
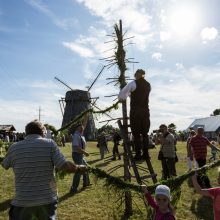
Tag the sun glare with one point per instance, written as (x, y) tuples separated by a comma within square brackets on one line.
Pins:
[(183, 20)]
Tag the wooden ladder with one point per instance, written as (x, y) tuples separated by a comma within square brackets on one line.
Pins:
[(127, 147)]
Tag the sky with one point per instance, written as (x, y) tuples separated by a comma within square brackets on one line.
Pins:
[(175, 41)]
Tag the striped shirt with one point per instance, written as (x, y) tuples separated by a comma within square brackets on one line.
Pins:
[(199, 146), (33, 161)]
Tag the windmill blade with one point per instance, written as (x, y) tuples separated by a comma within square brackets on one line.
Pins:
[(65, 84), (103, 67)]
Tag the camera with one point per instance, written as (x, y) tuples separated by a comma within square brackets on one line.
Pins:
[(157, 131)]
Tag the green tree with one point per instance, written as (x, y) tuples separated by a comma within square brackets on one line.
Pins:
[(172, 126), (216, 112), (108, 129)]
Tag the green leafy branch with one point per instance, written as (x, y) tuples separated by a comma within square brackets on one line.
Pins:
[(173, 183), (79, 117)]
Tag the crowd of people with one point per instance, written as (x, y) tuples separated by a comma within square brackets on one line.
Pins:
[(12, 136), (34, 159)]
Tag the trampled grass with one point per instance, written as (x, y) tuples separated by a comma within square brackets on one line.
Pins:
[(98, 202)]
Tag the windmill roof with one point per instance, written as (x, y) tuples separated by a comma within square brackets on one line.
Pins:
[(211, 123)]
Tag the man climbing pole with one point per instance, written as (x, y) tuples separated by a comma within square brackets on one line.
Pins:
[(139, 90)]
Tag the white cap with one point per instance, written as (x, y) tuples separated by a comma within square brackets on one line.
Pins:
[(163, 190)]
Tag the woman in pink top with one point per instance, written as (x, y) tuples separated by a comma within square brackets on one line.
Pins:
[(214, 193), (161, 204)]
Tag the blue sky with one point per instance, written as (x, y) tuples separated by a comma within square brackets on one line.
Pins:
[(175, 41)]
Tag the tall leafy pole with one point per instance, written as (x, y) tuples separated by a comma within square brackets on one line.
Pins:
[(120, 60)]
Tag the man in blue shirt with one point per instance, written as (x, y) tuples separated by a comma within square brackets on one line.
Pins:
[(78, 153)]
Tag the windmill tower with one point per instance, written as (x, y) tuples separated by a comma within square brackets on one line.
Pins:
[(78, 101), (75, 102)]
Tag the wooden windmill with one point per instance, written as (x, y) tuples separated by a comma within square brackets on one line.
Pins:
[(75, 102)]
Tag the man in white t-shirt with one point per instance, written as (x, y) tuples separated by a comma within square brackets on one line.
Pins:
[(139, 91)]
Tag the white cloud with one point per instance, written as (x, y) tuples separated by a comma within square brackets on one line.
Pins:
[(164, 36), (179, 66), (162, 16), (26, 111), (208, 34), (157, 56), (62, 23), (132, 13), (186, 97), (80, 49)]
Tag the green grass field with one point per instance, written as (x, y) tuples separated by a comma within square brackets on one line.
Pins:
[(98, 202)]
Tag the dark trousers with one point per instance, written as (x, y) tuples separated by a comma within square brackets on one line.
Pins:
[(115, 151), (168, 167), (43, 212), (140, 124), (203, 179)]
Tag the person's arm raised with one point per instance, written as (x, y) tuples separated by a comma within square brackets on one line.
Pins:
[(197, 187), (85, 119)]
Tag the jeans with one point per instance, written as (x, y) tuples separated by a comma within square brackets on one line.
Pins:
[(115, 151), (79, 160), (102, 149), (168, 167), (42, 212)]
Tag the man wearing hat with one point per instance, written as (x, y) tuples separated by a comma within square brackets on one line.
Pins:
[(139, 91)]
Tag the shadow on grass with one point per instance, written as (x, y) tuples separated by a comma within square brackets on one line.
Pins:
[(65, 197), (5, 205), (106, 162), (106, 159), (203, 208), (94, 153), (93, 161), (69, 194)]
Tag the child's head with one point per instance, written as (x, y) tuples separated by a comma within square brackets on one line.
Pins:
[(162, 195)]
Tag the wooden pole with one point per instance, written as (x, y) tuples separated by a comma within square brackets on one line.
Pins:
[(120, 57)]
